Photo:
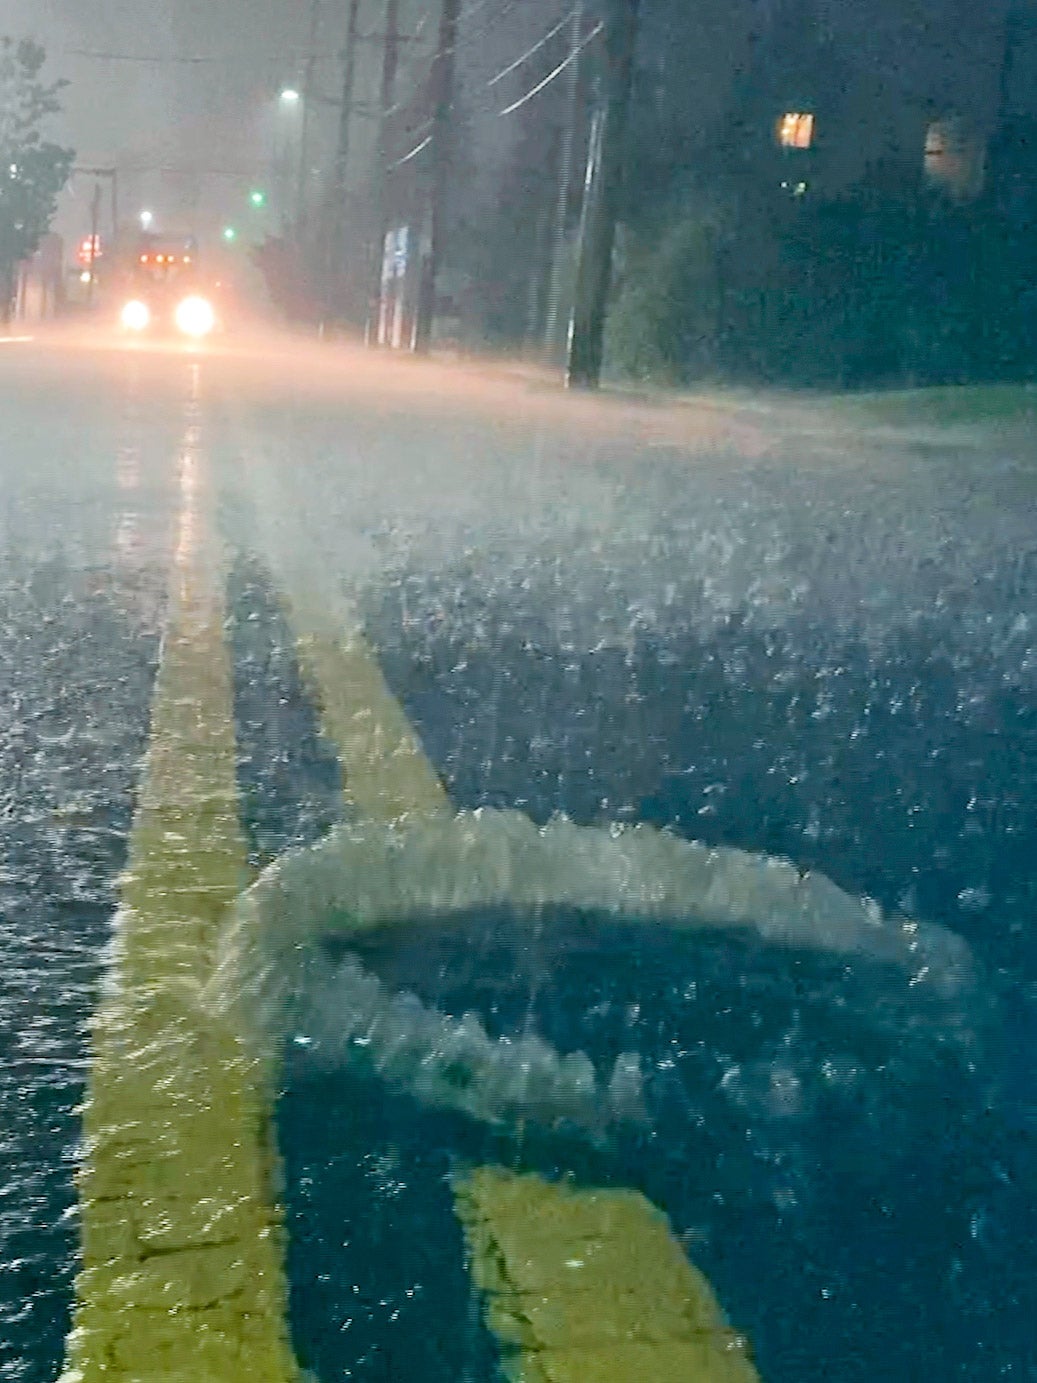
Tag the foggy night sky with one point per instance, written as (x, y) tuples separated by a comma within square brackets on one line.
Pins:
[(215, 117)]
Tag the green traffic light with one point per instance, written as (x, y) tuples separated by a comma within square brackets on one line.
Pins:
[(229, 233), (258, 199)]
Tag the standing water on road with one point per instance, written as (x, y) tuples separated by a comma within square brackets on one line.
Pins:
[(823, 654), (797, 675), (518, 838)]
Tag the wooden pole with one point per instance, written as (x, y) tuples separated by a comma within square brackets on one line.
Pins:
[(340, 181), (443, 78), (602, 194)]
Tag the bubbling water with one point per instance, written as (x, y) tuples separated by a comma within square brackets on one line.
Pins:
[(276, 978)]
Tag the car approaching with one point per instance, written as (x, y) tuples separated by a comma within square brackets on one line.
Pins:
[(165, 293)]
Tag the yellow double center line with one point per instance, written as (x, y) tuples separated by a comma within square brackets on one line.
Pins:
[(182, 1278), (182, 1274)]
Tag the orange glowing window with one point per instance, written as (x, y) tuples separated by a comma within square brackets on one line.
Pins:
[(936, 142), (955, 157), (796, 130)]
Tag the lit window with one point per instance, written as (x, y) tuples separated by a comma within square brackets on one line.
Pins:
[(935, 143), (796, 130), (955, 158)]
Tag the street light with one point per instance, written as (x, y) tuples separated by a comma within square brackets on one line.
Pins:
[(258, 198), (147, 220), (229, 234), (293, 105)]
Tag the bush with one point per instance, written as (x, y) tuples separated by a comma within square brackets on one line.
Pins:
[(882, 285), (664, 323)]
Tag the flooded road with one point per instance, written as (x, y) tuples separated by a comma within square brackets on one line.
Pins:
[(354, 593)]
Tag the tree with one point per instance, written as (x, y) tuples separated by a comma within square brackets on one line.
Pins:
[(33, 170), (666, 319)]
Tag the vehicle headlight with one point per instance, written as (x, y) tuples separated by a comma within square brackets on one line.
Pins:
[(136, 316), (195, 317)]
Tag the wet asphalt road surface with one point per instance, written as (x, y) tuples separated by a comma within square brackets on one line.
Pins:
[(754, 626)]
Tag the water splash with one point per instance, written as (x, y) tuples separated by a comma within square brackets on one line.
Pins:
[(275, 975)]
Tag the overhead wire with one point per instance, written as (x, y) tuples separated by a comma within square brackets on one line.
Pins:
[(418, 149), (149, 59), (532, 52), (175, 59), (555, 74), (427, 128), (465, 34)]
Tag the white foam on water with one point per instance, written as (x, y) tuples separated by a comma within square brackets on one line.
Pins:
[(350, 1015), (272, 970)]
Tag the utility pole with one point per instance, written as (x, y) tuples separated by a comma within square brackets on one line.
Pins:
[(112, 175), (95, 233), (552, 341), (340, 181), (602, 193), (443, 78), (309, 92), (390, 68), (391, 56)]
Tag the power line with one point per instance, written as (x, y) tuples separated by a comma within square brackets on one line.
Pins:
[(179, 171), (531, 52), (465, 35), (478, 7), (553, 76), (150, 60), (177, 59), (418, 149)]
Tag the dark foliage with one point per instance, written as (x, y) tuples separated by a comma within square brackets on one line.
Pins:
[(33, 170), (840, 265)]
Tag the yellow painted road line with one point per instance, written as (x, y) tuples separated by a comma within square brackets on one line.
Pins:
[(386, 772), (182, 1277), (592, 1287), (634, 1309)]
